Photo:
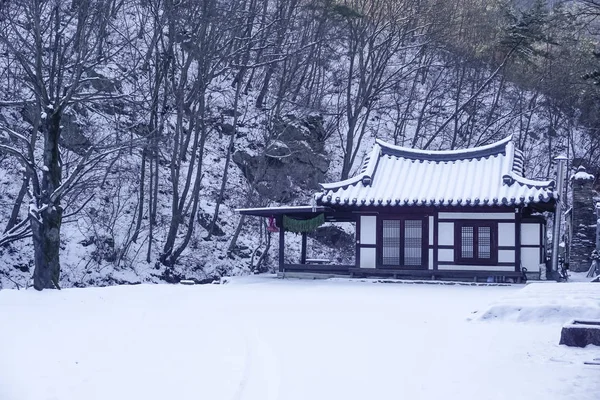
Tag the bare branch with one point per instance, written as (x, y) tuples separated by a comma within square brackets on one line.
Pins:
[(84, 166), (19, 155), (17, 232)]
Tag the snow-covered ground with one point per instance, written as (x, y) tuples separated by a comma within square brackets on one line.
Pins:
[(261, 338)]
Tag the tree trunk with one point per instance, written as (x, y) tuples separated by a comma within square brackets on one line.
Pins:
[(233, 242), (46, 245), (220, 199), (140, 216), (170, 259), (150, 219), (46, 218), (349, 146)]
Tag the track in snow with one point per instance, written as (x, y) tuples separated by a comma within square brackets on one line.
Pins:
[(260, 379)]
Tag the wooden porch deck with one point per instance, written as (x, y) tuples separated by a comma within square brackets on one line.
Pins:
[(435, 274), (352, 271), (318, 268)]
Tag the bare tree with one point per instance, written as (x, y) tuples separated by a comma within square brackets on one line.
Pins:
[(198, 59), (57, 47)]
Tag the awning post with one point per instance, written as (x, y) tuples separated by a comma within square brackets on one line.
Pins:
[(303, 250), (281, 243)]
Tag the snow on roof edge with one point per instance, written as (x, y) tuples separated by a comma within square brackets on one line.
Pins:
[(457, 152), (373, 159)]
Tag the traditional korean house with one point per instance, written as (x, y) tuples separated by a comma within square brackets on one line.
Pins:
[(466, 214)]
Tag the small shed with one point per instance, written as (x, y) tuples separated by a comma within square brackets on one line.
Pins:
[(467, 213)]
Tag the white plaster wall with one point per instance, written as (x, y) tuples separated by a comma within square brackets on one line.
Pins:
[(430, 260), (530, 233), (506, 256), (530, 258), (478, 267), (446, 233), (445, 255), (431, 230), (367, 257), (506, 234), (368, 229), (466, 215)]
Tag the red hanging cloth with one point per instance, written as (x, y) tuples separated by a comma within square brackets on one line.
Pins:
[(272, 227)]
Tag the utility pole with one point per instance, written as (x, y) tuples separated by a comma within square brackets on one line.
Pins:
[(560, 172)]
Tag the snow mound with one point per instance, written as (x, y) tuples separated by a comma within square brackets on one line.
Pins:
[(547, 303)]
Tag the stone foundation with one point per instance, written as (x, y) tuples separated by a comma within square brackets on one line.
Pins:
[(580, 333)]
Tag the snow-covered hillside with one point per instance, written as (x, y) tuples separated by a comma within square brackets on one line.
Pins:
[(191, 110)]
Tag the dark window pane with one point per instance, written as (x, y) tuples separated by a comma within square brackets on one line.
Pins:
[(484, 242), (413, 242), (391, 242), (466, 250)]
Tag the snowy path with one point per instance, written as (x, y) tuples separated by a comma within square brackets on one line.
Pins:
[(267, 339), (260, 379)]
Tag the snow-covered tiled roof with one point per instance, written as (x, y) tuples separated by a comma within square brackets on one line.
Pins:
[(398, 176), (582, 175)]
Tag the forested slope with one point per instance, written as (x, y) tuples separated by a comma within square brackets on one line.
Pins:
[(131, 130)]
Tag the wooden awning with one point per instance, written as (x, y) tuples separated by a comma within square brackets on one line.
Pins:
[(301, 212)]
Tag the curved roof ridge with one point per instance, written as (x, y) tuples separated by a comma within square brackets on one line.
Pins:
[(445, 155), (346, 182), (531, 182), (366, 174)]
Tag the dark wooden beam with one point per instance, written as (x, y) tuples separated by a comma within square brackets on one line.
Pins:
[(340, 216), (296, 211), (317, 268), (429, 273), (339, 210), (281, 242), (436, 243), (303, 250), (518, 222), (357, 243)]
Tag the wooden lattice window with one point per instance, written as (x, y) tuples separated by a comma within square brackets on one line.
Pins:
[(403, 242), (476, 243), (391, 241)]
